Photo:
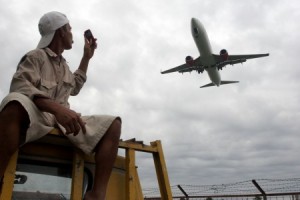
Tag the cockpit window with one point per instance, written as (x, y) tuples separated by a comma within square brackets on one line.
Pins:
[(196, 31)]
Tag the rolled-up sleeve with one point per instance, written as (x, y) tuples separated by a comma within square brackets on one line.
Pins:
[(80, 79)]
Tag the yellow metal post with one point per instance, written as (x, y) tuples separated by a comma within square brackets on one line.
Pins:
[(9, 178), (133, 190), (161, 171), (130, 174), (138, 188), (77, 175)]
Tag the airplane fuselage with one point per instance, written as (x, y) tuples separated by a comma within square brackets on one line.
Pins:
[(204, 47), (208, 61)]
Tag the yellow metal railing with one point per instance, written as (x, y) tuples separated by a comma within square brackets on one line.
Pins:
[(56, 146)]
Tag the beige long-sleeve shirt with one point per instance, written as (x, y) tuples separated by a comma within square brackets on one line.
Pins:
[(42, 73)]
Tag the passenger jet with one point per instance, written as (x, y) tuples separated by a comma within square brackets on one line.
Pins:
[(208, 61)]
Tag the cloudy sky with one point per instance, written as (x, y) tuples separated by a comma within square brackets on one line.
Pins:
[(213, 135)]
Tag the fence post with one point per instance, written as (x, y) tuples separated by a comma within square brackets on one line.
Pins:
[(182, 190), (260, 189)]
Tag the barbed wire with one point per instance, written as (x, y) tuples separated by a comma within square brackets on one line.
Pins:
[(273, 186)]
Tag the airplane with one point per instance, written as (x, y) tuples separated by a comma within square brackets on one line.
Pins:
[(208, 61)]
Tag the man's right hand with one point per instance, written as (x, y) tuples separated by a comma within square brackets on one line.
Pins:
[(68, 118)]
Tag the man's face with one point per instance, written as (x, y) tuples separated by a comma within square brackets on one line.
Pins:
[(68, 37)]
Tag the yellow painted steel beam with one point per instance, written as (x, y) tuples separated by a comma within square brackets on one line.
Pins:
[(138, 187), (161, 172), (77, 175), (58, 148), (136, 146), (9, 178), (129, 177)]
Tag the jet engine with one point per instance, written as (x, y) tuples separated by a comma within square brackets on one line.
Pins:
[(224, 54), (200, 70), (189, 60)]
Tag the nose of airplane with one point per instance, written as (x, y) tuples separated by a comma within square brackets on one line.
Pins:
[(193, 21), (196, 23)]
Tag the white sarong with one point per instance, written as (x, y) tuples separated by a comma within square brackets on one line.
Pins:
[(42, 123)]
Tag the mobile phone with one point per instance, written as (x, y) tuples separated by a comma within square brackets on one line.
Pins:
[(88, 35)]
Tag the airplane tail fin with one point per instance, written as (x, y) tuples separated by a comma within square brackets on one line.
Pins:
[(222, 83)]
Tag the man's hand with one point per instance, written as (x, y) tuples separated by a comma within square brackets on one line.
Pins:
[(70, 120), (89, 48), (88, 53)]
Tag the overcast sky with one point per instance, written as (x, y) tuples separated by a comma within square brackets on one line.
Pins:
[(213, 135)]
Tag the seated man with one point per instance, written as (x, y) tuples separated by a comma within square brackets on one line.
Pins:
[(38, 102)]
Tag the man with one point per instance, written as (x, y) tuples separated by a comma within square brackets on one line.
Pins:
[(38, 101)]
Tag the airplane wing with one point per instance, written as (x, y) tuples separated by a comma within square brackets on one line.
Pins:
[(196, 65), (235, 59), (249, 56), (218, 58)]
